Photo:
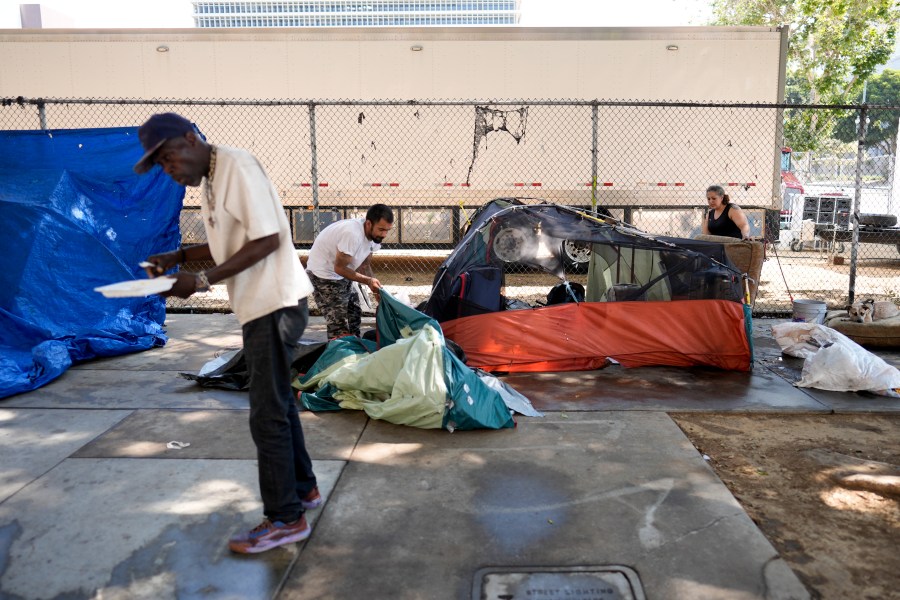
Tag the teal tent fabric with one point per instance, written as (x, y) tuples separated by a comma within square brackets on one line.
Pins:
[(321, 400), (411, 379), (748, 327)]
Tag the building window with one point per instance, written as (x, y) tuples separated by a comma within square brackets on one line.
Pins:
[(355, 13)]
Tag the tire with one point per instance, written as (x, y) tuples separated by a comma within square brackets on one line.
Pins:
[(796, 246), (840, 248), (576, 256), (509, 244)]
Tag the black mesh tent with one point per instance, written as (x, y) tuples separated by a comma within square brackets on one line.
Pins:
[(625, 264)]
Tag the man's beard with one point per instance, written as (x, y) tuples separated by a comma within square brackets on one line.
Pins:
[(377, 239)]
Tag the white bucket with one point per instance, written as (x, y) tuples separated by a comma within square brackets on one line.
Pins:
[(809, 311)]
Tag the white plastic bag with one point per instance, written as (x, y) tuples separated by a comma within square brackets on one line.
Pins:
[(367, 307), (400, 295), (834, 361), (803, 340)]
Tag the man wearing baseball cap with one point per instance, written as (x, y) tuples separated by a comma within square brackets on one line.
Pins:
[(250, 244)]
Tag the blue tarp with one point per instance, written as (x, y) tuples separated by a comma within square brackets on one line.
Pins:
[(74, 216)]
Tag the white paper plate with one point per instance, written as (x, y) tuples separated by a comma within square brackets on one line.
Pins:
[(137, 287)]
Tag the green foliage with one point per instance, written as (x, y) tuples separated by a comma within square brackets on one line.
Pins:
[(835, 45), (881, 130)]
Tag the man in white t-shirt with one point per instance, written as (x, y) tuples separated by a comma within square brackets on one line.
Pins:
[(340, 255), (250, 243)]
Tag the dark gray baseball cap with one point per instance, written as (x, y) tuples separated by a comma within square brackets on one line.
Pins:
[(155, 132)]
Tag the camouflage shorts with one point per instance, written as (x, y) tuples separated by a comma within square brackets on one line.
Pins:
[(339, 304)]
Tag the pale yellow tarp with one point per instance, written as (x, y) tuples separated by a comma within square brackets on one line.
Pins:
[(402, 383)]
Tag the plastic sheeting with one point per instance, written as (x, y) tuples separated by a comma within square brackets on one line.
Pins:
[(835, 362), (74, 216)]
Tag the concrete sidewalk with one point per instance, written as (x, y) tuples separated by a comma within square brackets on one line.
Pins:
[(602, 498)]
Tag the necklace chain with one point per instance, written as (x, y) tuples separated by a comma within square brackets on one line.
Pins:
[(210, 199)]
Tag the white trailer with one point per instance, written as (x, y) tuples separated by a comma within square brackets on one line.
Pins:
[(614, 155), (700, 64)]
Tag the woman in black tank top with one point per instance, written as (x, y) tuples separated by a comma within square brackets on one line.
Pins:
[(724, 218)]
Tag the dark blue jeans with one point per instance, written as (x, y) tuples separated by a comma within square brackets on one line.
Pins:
[(285, 469)]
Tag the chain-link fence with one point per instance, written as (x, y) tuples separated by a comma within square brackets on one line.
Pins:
[(648, 163)]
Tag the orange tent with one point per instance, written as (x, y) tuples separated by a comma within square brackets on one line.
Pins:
[(649, 300), (581, 336)]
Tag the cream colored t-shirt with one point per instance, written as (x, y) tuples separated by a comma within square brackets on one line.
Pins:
[(245, 206)]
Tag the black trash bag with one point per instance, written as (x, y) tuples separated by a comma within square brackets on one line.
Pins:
[(456, 350), (565, 292), (306, 353), (233, 374), (516, 304)]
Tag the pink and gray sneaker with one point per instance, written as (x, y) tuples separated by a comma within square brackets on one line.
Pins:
[(312, 499), (268, 535)]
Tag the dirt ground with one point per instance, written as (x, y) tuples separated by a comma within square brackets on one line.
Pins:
[(825, 490)]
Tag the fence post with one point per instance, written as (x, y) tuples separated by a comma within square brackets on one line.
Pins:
[(42, 114), (314, 170), (594, 157), (894, 178), (857, 198)]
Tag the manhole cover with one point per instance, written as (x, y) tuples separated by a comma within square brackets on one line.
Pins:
[(582, 583)]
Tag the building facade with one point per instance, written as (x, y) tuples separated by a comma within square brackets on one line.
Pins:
[(356, 13)]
